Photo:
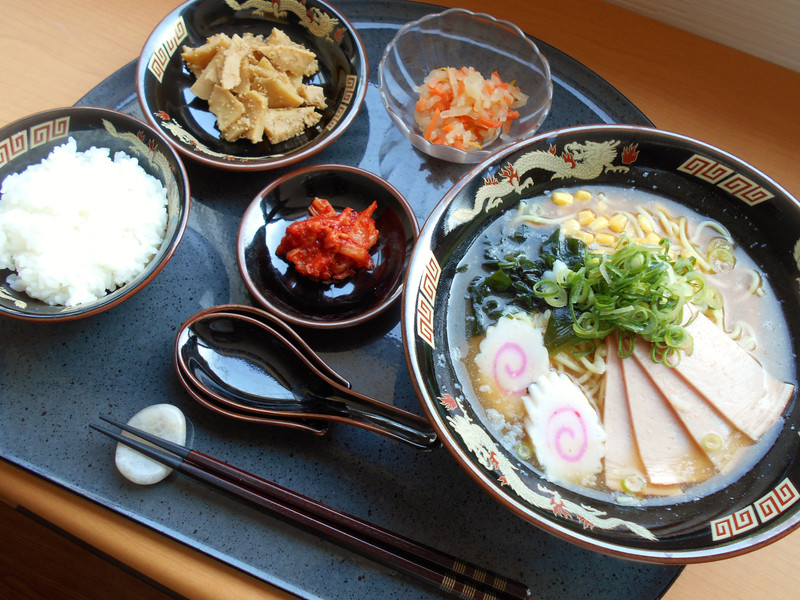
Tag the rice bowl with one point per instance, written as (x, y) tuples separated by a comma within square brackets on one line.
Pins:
[(32, 139), (79, 224)]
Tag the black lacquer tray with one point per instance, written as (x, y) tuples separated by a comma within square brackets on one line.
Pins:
[(56, 377)]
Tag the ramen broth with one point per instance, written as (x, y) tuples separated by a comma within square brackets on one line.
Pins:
[(751, 315)]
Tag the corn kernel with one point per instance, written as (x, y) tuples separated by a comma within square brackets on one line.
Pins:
[(570, 226), (561, 198), (583, 195), (646, 223), (585, 216), (598, 224), (618, 223), (586, 237), (606, 239), (602, 205), (651, 239)]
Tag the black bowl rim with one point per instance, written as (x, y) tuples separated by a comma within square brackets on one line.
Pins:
[(271, 163), (764, 536), (297, 318), (182, 177)]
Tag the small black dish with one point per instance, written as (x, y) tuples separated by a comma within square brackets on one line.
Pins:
[(163, 81), (279, 288)]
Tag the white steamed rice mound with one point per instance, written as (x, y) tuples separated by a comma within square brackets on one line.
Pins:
[(79, 224)]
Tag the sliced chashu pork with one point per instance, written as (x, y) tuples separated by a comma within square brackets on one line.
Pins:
[(669, 454), (730, 379), (622, 452), (715, 436)]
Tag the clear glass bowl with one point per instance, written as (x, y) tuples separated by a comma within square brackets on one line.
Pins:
[(460, 38)]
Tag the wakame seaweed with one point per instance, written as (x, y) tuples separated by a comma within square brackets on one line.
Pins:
[(513, 266), (570, 251), (560, 333)]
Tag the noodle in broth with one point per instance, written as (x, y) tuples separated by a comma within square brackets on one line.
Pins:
[(737, 300)]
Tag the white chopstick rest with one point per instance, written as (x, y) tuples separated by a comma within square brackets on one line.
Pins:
[(164, 420)]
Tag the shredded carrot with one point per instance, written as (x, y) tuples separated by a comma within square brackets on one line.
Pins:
[(459, 108), (434, 120), (490, 123)]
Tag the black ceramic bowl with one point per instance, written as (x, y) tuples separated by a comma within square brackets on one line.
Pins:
[(756, 506), (279, 288), (163, 80), (30, 140)]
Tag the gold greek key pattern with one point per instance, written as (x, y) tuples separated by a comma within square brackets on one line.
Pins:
[(745, 189), (20, 142), (777, 501), (765, 509), (726, 178), (13, 146), (734, 524), (430, 280), (44, 133), (705, 168), (425, 322), (162, 55), (350, 85), (426, 300)]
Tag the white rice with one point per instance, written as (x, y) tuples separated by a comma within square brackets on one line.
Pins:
[(79, 224)]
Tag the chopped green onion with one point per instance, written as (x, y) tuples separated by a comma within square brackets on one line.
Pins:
[(625, 344), (675, 336), (712, 441), (720, 254), (633, 483), (524, 451), (638, 291), (555, 295)]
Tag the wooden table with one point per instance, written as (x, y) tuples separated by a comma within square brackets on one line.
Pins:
[(54, 52)]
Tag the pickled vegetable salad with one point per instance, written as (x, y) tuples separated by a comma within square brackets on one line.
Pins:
[(459, 108)]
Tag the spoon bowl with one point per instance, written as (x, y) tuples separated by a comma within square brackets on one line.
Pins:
[(281, 327), (315, 426), (249, 367)]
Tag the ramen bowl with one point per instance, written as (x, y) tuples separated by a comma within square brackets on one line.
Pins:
[(756, 499), (164, 82), (27, 142), (460, 38)]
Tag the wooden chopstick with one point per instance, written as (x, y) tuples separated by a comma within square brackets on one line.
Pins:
[(449, 574)]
